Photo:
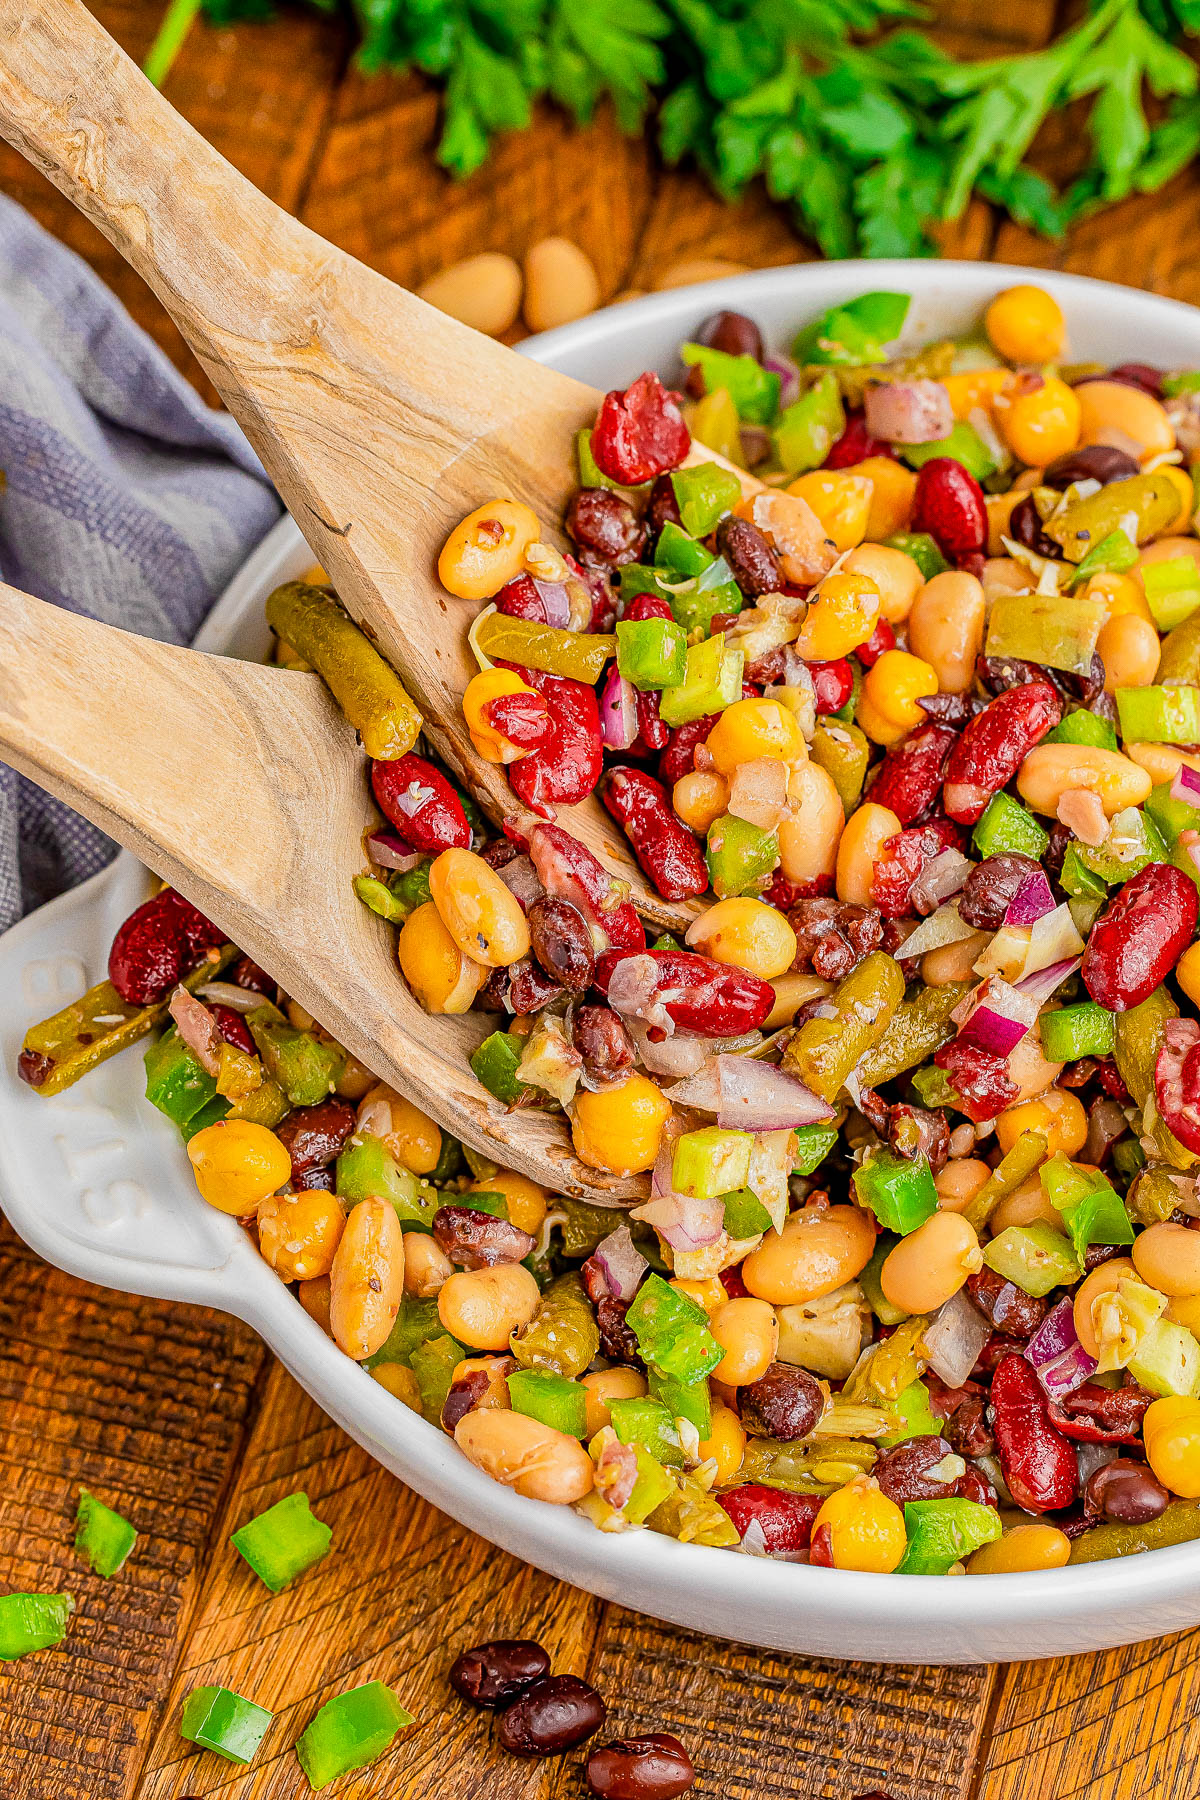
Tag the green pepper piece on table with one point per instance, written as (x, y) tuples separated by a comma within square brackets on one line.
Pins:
[(825, 1051), (898, 1190), (283, 1541), (651, 653), (350, 1732), (712, 681), (30, 1622), (363, 683), (217, 1719), (562, 1335), (645, 1422), (944, 1532), (923, 550), (553, 1399), (753, 389), (102, 1535), (704, 493), (807, 428), (672, 1331), (739, 856), (433, 1362)]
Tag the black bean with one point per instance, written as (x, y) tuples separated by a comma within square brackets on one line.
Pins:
[(478, 1240), (1125, 1492), (990, 887), (1025, 525), (784, 1403), (662, 508), (604, 1043), (654, 1767), (562, 943), (1095, 462), (551, 1716), (906, 1472), (1006, 1306), (605, 527), (732, 332), (314, 1135), (754, 564), (495, 1674), (463, 1397)]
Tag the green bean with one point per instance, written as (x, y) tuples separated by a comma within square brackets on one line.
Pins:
[(691, 1514), (825, 1051), (843, 752), (1026, 1155), (1147, 503), (1179, 659), (917, 1028), (1177, 1525), (562, 1334), (365, 686)]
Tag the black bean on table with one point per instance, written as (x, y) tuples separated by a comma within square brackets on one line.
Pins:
[(495, 1674), (553, 1715), (653, 1767)]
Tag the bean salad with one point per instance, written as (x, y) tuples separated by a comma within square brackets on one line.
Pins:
[(886, 660)]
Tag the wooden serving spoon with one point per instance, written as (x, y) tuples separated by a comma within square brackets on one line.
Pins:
[(381, 421), (243, 786)]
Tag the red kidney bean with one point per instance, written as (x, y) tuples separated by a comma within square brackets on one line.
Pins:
[(973, 1484), (464, 1396), (1100, 1415), (1109, 1079), (832, 936), (233, 1028), (786, 1402), (477, 1240), (314, 1135), (246, 973), (988, 1360), (566, 767), (1177, 1080), (524, 719), (652, 733), (648, 606), (639, 433), (1131, 374), (1096, 462), (733, 333), (1124, 1492), (991, 886), (605, 527), (856, 444), (1139, 937), (785, 1520), (910, 775), (949, 709), (906, 1472), (679, 757), (568, 871), (157, 944), (553, 1715), (665, 849), (655, 1767), (833, 683), (881, 639), (905, 857), (1038, 1461), (751, 559), (994, 745), (419, 801), (915, 1131), (562, 943), (520, 599), (979, 1078), (604, 1044), (699, 994), (1005, 1305), (949, 505), (495, 1674), (316, 1178)]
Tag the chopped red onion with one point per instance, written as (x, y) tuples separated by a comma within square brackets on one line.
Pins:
[(789, 373), (390, 851), (749, 1095), (908, 412), (616, 1471), (955, 1336), (521, 879), (674, 1057), (198, 1028), (1032, 900), (942, 927), (620, 1262), (1053, 938), (1186, 785), (1061, 1362), (999, 1017), (618, 712), (633, 991), (939, 879), (556, 600), (683, 1220), (1042, 985)]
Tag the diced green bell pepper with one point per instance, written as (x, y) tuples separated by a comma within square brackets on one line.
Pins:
[(1077, 880), (739, 856), (175, 1081), (646, 1422), (350, 1732), (1075, 1031), (898, 1190), (690, 1400), (495, 1064), (102, 1535), (30, 1622), (753, 389), (305, 1066), (495, 1205), (672, 1331), (1036, 1258), (219, 1720), (923, 550), (944, 1532), (932, 1086), (745, 1214), (808, 427), (711, 1161), (550, 1398), (679, 553), (813, 1144), (1092, 1212), (651, 653), (282, 1542), (1008, 828), (964, 444), (367, 1170), (1185, 381), (1167, 1360), (1172, 590), (416, 1322), (843, 752), (1159, 715), (1129, 1159), (716, 425), (1170, 816), (914, 1416), (1112, 555), (652, 1487), (696, 604), (704, 493), (1133, 841), (857, 331), (433, 1362), (712, 681), (1082, 727)]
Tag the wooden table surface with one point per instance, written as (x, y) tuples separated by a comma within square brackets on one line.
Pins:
[(179, 1417)]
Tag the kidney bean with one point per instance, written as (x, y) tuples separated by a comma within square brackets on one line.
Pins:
[(665, 849), (1000, 673), (520, 599), (988, 1360), (605, 527), (1131, 374), (1005, 1305), (640, 432), (553, 1715), (597, 583), (1139, 937), (906, 1472), (33, 1067), (974, 1485), (699, 994), (655, 1767), (464, 1396), (915, 1131), (314, 1135), (662, 508), (1125, 1492), (157, 944), (910, 775), (784, 1403), (949, 709), (604, 1044), (881, 639), (832, 936), (1108, 1077), (733, 333), (949, 505), (566, 767), (979, 1077), (562, 943), (1095, 462), (522, 988), (524, 719), (1100, 1415), (785, 1520), (495, 1674), (993, 747), (991, 886), (962, 1411), (1177, 1080), (568, 871), (1038, 1461), (751, 558), (477, 1240), (233, 1028), (906, 856), (679, 757), (833, 683), (246, 973), (418, 800), (652, 733), (856, 444)]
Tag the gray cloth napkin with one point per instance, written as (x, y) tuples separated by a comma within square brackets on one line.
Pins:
[(127, 499)]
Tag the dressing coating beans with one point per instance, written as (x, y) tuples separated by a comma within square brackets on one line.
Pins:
[(928, 1267), (487, 549), (1103, 1280), (299, 1233), (748, 1332), (524, 1454), (366, 1282), (945, 628), (861, 847), (483, 1307), (1167, 1257), (809, 836), (818, 1250), (1050, 769)]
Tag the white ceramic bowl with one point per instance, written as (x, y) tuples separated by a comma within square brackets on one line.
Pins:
[(96, 1181)]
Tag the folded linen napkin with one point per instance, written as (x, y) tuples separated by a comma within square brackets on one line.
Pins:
[(127, 499)]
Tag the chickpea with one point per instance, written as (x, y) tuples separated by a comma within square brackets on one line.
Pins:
[(314, 1298), (748, 1332), (487, 549), (699, 798), (754, 728), (1120, 593), (709, 1293), (945, 628), (411, 1135), (427, 1268), (237, 1164), (355, 1080), (1058, 1113), (483, 1307), (527, 1202), (1187, 973), (1039, 423), (725, 1443), (398, 1380), (482, 915), (841, 499), (524, 1454), (604, 1386), (620, 1128), (1050, 769), (1167, 1257), (928, 1267), (1025, 324), (1028, 1204), (1171, 1433), (299, 1233), (1103, 1280), (958, 1182), (366, 1282), (1111, 413), (867, 830), (818, 1250), (888, 707), (894, 573), (1022, 1548), (747, 934), (1029, 1067), (810, 835), (953, 962), (866, 1529), (791, 993), (443, 979), (1129, 649)]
